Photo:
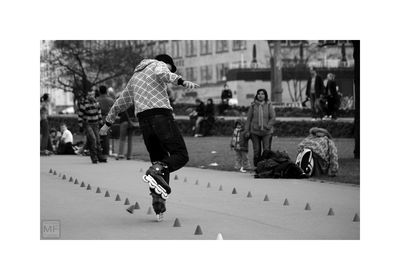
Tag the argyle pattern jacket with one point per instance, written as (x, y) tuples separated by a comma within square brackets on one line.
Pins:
[(147, 89)]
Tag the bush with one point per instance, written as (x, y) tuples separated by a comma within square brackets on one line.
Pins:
[(180, 109), (225, 127)]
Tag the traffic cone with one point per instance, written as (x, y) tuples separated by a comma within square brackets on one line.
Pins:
[(54, 173), (83, 185), (130, 209), (70, 179), (98, 190), (89, 187), (64, 177), (176, 177), (198, 230), (117, 198), (127, 201), (219, 236), (185, 180), (356, 218), (208, 185), (76, 182), (150, 211), (197, 182), (177, 223), (107, 194), (307, 207), (220, 188), (234, 191), (266, 198), (286, 202), (137, 206), (51, 170), (249, 194), (331, 213)]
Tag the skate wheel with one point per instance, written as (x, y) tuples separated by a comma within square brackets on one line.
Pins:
[(157, 191), (165, 196), (144, 177)]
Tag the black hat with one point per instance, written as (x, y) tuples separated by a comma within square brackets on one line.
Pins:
[(167, 59)]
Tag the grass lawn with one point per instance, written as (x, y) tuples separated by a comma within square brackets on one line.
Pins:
[(207, 150)]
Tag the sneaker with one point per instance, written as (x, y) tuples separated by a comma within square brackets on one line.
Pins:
[(242, 170), (102, 160)]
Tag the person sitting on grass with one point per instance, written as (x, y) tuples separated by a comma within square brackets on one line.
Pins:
[(65, 144), (317, 153)]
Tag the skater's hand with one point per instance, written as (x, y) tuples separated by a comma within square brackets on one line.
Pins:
[(190, 85), (103, 130)]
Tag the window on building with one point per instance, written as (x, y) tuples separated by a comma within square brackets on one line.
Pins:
[(221, 46), (176, 50), (205, 47), (206, 74), (238, 45), (284, 42), (191, 49), (294, 42), (191, 74), (221, 70)]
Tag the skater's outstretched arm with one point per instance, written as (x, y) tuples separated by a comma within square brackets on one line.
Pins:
[(165, 75), (124, 101)]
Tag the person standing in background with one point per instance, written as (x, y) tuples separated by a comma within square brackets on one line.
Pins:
[(106, 103), (259, 124), (45, 143), (89, 120), (126, 131), (314, 92)]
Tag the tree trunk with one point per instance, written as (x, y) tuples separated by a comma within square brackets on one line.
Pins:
[(356, 56), (276, 73)]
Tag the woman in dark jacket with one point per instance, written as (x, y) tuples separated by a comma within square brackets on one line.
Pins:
[(259, 124)]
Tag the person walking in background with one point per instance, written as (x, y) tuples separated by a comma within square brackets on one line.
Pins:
[(209, 114), (200, 114), (89, 120), (126, 131), (45, 143), (259, 124), (65, 144), (106, 103), (240, 144), (314, 92), (333, 98), (226, 94)]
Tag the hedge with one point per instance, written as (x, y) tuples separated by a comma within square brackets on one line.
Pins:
[(223, 127), (181, 109)]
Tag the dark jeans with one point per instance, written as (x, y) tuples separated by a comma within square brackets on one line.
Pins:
[(164, 141), (105, 144), (260, 144), (45, 139), (333, 106), (316, 106), (65, 149), (93, 142)]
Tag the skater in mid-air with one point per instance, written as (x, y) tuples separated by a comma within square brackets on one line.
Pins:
[(147, 90)]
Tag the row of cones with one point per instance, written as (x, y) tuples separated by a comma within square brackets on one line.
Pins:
[(88, 187), (136, 206)]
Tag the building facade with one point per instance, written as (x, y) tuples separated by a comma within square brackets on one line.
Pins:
[(207, 63)]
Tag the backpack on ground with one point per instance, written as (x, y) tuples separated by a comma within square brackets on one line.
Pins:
[(305, 161)]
